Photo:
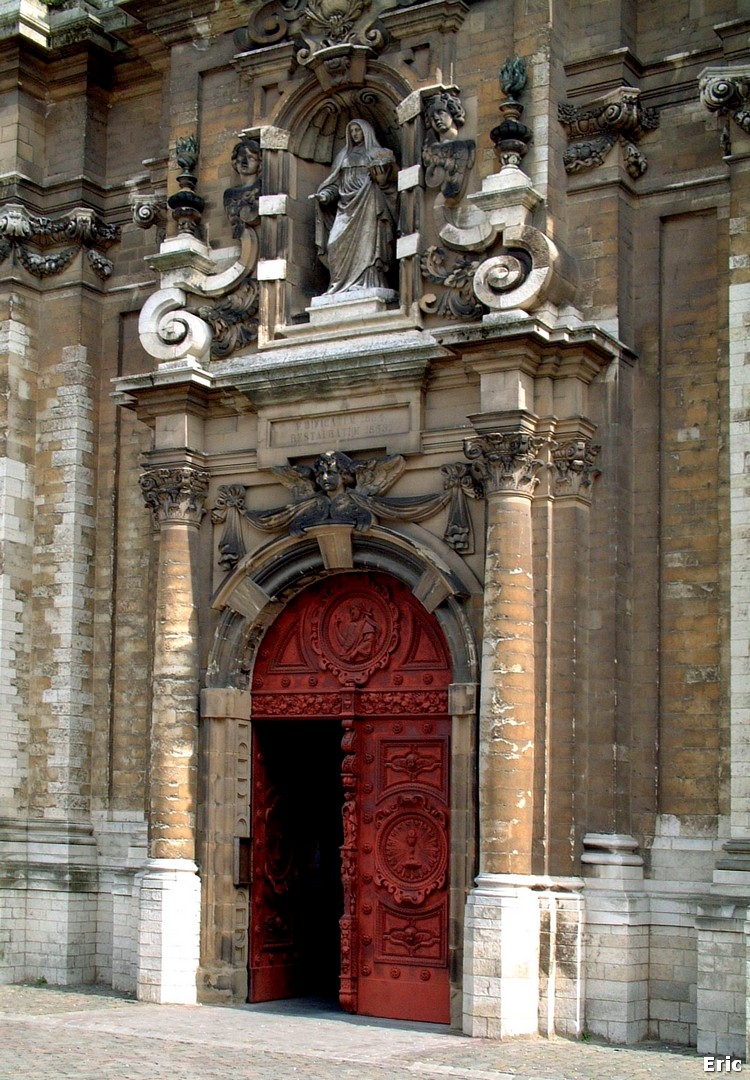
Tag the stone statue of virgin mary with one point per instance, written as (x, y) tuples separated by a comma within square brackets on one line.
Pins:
[(355, 214)]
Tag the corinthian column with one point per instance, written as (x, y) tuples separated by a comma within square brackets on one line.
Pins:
[(501, 940), (169, 925), (510, 463)]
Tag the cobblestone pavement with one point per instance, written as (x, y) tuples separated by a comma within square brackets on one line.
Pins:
[(51, 1034)]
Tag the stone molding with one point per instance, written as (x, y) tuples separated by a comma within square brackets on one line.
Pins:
[(175, 495), (594, 129), (726, 92), (508, 460)]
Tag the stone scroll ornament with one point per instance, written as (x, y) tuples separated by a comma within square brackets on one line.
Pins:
[(317, 25), (337, 489), (594, 129), (46, 246), (726, 91)]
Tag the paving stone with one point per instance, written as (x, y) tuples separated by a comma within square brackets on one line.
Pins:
[(53, 1034)]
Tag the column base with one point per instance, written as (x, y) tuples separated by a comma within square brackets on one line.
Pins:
[(522, 957), (168, 931), (723, 982), (617, 930)]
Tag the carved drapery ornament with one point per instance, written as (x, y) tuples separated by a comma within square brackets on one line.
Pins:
[(79, 229), (726, 91), (339, 490), (508, 461), (175, 494), (594, 129), (575, 471)]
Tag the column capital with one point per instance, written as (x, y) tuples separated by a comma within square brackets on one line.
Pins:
[(175, 494), (508, 460), (574, 468), (726, 91)]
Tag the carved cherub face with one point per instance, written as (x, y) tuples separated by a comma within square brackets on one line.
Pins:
[(246, 161), (327, 473), (442, 123)]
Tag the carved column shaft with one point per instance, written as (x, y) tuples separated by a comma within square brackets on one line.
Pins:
[(507, 707), (176, 499)]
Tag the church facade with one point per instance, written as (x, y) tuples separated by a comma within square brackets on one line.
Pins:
[(374, 508)]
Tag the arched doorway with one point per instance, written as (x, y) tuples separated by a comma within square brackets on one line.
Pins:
[(351, 802)]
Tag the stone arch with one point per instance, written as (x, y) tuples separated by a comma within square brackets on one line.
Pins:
[(250, 599), (316, 118), (263, 583)]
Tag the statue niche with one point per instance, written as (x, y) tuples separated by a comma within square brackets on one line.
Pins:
[(355, 216)]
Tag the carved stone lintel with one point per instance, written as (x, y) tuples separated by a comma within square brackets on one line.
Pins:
[(175, 494), (726, 91), (595, 128), (508, 461), (574, 468)]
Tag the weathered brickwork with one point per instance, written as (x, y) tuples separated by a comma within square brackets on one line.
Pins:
[(559, 377)]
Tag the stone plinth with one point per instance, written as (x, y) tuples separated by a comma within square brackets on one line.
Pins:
[(617, 938), (169, 931)]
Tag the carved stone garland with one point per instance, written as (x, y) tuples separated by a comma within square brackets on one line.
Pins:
[(81, 229), (340, 490), (595, 128)]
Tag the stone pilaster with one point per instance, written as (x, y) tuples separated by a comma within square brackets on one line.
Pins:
[(169, 923), (566, 737), (617, 938), (724, 990), (225, 829)]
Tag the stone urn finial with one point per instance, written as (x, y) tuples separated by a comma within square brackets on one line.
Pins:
[(511, 137)]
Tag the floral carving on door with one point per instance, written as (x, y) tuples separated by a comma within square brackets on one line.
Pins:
[(359, 651)]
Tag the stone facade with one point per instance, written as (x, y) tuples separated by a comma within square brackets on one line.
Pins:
[(530, 409)]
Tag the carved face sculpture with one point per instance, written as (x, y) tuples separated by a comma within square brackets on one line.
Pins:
[(327, 473), (443, 124), (356, 133), (246, 161)]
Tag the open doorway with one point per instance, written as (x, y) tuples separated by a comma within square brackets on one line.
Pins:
[(297, 894)]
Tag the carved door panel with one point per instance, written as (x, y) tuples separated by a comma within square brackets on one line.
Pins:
[(403, 871), (358, 649)]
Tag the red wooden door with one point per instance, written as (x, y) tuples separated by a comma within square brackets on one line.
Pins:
[(360, 650)]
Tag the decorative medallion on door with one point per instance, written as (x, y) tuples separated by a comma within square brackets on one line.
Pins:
[(351, 753)]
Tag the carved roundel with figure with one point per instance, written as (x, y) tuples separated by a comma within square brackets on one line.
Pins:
[(355, 634), (411, 856)]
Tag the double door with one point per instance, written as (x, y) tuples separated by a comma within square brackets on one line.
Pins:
[(350, 883)]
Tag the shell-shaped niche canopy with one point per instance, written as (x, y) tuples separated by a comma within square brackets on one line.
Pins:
[(317, 135)]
